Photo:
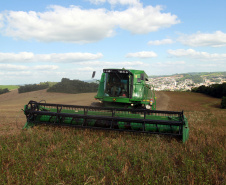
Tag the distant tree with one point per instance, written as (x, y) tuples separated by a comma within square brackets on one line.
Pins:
[(223, 102), (32, 87), (73, 86), (215, 90), (195, 78), (2, 91)]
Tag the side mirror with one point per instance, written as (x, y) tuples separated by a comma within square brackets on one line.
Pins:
[(94, 73)]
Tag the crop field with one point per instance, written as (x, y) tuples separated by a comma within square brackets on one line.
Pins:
[(57, 155), (10, 87)]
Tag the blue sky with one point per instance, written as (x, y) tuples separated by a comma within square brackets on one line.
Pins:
[(47, 40)]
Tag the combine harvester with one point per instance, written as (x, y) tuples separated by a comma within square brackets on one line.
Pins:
[(129, 105)]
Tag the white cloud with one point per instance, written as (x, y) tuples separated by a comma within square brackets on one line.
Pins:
[(139, 20), (46, 67), (124, 2), (115, 2), (134, 63), (191, 53), (142, 54), (1, 21), (175, 62), (78, 25), (97, 1), (69, 57), (52, 57), (19, 73), (217, 39), (100, 64), (169, 65), (207, 65), (89, 69), (60, 24), (11, 57), (10, 67), (160, 42)]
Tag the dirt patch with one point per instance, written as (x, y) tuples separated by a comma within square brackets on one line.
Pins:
[(189, 101), (162, 100), (12, 118)]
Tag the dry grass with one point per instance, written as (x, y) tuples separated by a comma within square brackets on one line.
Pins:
[(12, 118), (53, 155)]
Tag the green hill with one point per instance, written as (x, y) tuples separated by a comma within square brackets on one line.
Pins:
[(9, 87)]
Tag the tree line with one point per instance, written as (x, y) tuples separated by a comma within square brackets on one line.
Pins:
[(73, 86), (65, 86), (2, 91), (215, 90), (32, 87)]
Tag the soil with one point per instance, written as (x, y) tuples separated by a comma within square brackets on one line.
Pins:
[(12, 118), (162, 100)]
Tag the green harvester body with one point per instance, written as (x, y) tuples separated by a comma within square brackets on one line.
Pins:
[(134, 93), (126, 88)]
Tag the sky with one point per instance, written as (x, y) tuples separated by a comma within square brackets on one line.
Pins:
[(47, 40)]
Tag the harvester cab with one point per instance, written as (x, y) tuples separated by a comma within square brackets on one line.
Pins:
[(126, 88)]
